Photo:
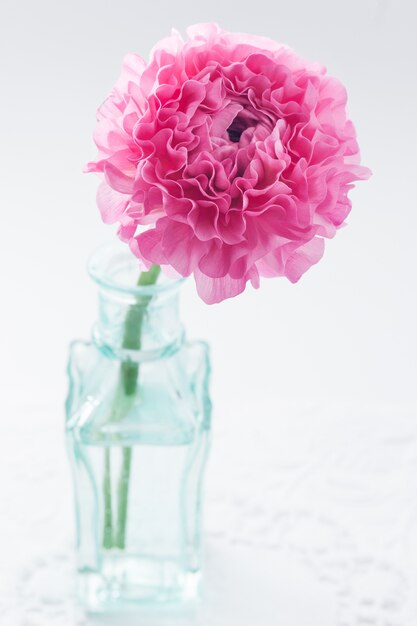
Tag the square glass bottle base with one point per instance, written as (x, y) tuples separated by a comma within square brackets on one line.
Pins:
[(130, 582)]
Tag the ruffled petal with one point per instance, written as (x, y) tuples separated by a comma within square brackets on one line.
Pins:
[(214, 290), (111, 203)]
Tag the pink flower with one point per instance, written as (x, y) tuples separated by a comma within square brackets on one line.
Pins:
[(226, 156)]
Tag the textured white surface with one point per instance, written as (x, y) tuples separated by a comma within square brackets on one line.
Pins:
[(310, 521)]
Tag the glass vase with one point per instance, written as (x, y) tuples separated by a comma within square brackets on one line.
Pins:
[(137, 427)]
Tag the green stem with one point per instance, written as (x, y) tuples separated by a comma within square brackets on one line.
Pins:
[(126, 391), (123, 494), (108, 526)]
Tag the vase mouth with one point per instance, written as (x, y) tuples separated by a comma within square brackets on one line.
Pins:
[(113, 267)]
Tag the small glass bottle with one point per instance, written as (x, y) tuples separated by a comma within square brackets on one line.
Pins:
[(138, 423)]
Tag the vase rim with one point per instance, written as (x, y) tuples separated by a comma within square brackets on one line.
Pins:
[(102, 265)]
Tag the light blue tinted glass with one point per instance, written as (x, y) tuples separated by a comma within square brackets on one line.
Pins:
[(138, 422)]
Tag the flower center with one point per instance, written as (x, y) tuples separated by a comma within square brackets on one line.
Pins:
[(236, 129), (242, 121)]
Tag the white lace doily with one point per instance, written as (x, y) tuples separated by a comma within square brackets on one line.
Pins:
[(310, 515)]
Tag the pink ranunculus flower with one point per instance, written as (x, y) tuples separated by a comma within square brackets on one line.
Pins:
[(226, 156)]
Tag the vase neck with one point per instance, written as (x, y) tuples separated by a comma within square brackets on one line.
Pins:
[(134, 323)]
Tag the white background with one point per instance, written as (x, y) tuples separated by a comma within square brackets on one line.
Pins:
[(344, 336), (346, 329)]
